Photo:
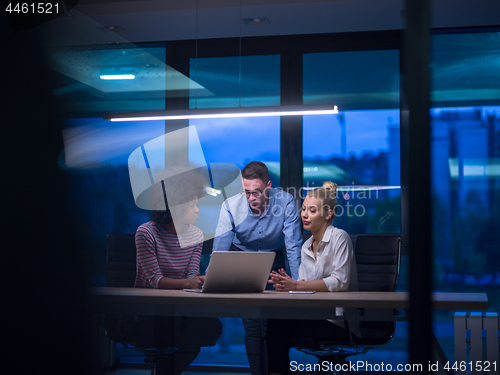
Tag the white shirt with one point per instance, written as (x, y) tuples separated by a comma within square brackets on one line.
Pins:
[(335, 263)]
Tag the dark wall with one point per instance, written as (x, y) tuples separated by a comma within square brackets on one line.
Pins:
[(44, 317)]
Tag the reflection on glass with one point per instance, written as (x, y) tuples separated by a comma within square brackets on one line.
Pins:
[(465, 182), (232, 82), (352, 80), (91, 143), (149, 176), (465, 69), (241, 140), (236, 142), (363, 158), (82, 92), (466, 199), (359, 148)]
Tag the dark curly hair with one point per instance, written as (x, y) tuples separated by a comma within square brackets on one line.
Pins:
[(172, 188)]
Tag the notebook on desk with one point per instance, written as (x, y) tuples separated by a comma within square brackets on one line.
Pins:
[(237, 272)]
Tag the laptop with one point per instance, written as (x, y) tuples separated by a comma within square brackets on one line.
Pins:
[(237, 272)]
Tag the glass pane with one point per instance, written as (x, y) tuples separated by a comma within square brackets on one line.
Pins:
[(352, 80), (90, 80), (96, 155), (96, 151), (358, 149), (465, 69), (225, 144), (227, 140), (465, 182), (234, 142), (465, 167), (233, 81), (465, 205)]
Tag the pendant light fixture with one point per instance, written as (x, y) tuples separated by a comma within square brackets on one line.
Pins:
[(207, 113)]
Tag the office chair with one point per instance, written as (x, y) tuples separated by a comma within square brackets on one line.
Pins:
[(378, 261), (120, 272)]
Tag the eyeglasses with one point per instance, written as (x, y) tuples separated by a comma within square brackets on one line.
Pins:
[(255, 193)]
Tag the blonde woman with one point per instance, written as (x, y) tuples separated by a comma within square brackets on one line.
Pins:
[(328, 265)]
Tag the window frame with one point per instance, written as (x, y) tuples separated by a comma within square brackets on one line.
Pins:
[(291, 49)]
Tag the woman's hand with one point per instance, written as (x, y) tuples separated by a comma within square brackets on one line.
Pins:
[(195, 282), (281, 281)]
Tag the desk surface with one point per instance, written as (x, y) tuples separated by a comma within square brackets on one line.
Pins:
[(270, 304)]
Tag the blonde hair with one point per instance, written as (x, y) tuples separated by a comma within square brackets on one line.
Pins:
[(328, 195)]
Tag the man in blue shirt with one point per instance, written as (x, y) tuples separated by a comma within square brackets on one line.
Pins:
[(260, 219)]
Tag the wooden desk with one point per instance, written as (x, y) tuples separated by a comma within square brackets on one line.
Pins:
[(270, 304)]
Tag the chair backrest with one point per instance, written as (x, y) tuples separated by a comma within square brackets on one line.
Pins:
[(378, 260), (120, 264)]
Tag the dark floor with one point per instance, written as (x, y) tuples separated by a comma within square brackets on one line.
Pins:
[(396, 352), (147, 372)]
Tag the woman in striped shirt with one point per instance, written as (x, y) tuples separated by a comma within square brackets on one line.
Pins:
[(168, 257)]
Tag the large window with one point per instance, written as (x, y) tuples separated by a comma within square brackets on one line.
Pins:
[(359, 148), (465, 167)]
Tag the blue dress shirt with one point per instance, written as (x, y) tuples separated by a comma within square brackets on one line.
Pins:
[(278, 224)]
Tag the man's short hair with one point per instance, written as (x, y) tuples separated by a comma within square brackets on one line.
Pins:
[(255, 170)]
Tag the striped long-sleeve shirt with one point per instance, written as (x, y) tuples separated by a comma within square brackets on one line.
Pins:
[(159, 254)]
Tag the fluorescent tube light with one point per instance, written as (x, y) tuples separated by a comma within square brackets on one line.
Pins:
[(301, 110), (358, 188), (111, 77)]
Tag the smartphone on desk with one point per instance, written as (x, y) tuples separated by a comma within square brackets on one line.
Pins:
[(301, 291)]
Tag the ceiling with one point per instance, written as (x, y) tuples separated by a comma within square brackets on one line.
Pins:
[(91, 24), (164, 20)]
